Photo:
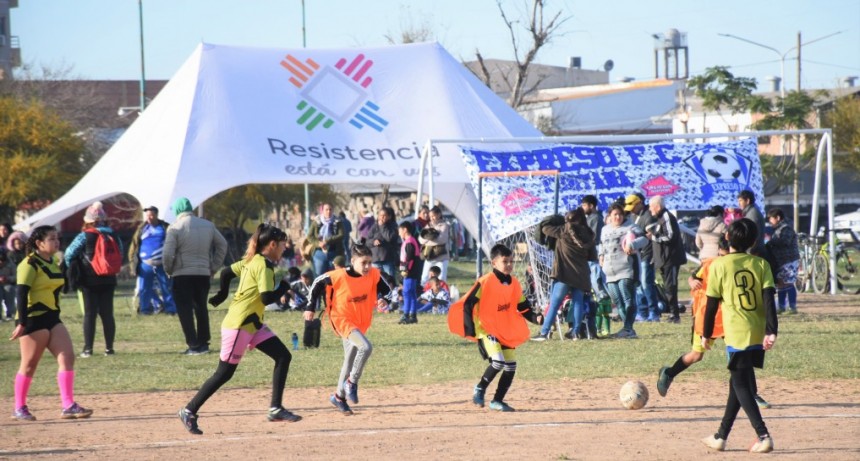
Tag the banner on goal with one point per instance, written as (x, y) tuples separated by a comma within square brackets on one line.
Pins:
[(689, 176)]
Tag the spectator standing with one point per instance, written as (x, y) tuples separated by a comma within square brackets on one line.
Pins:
[(145, 260), (434, 242), (97, 290), (5, 232), (423, 218), (571, 276), (8, 278), (669, 254), (384, 242), (364, 226), (15, 247), (647, 287), (749, 209), (711, 231), (326, 236), (347, 234), (595, 221), (619, 241), (410, 271), (783, 249), (193, 252)]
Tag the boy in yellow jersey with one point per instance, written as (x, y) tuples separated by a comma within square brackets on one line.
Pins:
[(742, 285), (493, 313)]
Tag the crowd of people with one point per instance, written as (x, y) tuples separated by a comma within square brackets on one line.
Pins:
[(611, 261)]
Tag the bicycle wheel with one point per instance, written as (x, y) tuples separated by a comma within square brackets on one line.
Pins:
[(820, 273), (802, 282), (846, 270)]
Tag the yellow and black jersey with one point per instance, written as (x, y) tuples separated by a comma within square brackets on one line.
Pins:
[(738, 280), (45, 281), (255, 277)]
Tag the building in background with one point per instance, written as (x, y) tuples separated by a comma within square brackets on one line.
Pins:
[(10, 51)]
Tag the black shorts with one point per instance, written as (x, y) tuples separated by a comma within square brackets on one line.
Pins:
[(746, 359), (46, 321)]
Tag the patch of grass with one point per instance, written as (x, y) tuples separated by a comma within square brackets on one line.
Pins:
[(148, 356)]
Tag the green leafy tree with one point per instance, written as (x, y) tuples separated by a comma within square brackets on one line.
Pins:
[(721, 91), (844, 119), (794, 112), (41, 155)]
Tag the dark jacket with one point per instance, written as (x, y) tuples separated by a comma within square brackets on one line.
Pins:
[(642, 220), (667, 244), (752, 213), (782, 246), (388, 250), (573, 245), (334, 244)]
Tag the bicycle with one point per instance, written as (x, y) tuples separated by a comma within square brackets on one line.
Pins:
[(808, 247), (846, 269)]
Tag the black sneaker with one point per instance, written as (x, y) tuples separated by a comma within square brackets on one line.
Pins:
[(663, 381), (110, 352), (282, 414), (86, 354), (189, 420), (540, 337)]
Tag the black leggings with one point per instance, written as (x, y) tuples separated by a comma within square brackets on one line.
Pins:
[(742, 392), (274, 348), (98, 301)]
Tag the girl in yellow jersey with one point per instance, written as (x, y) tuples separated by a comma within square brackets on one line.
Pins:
[(243, 328), (38, 326), (741, 285), (494, 314), (351, 294)]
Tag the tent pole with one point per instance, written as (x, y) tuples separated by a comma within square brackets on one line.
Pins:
[(831, 211), (421, 168), (479, 256)]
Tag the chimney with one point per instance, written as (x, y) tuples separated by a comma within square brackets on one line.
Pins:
[(848, 82), (774, 83), (575, 62)]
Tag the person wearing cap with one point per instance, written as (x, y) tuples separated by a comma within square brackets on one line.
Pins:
[(145, 261), (193, 251), (647, 286), (97, 290), (669, 254)]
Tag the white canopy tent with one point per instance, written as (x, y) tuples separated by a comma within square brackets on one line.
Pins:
[(236, 115)]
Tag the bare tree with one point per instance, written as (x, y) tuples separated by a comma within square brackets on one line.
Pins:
[(540, 33)]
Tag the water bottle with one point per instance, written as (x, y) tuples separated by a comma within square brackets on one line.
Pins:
[(295, 341)]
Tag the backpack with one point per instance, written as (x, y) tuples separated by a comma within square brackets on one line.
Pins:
[(107, 260)]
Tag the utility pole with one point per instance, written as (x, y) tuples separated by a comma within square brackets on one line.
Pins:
[(797, 151)]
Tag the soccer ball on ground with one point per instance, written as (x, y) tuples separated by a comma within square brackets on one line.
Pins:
[(633, 395)]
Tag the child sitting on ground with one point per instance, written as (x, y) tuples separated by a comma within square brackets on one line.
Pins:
[(434, 300), (436, 272)]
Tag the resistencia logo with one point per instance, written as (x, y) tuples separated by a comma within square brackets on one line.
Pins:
[(336, 94)]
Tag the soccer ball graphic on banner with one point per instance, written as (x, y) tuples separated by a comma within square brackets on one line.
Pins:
[(633, 395), (720, 166)]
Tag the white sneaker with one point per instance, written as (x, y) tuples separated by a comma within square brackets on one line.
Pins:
[(764, 445), (714, 443)]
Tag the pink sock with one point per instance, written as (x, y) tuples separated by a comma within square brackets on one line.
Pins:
[(22, 387), (66, 382)]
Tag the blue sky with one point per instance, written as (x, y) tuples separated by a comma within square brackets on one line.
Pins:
[(100, 39)]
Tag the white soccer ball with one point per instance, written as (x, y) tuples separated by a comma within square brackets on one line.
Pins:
[(721, 166), (633, 395)]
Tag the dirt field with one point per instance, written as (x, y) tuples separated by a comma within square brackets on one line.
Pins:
[(566, 419)]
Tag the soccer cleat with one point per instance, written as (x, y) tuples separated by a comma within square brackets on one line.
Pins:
[(23, 414), (282, 414), (75, 412), (478, 396), (762, 403), (714, 442), (764, 444), (500, 406), (674, 319), (663, 381), (189, 420), (540, 337), (340, 404), (351, 390)]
